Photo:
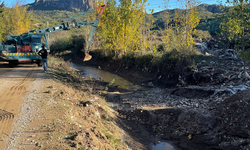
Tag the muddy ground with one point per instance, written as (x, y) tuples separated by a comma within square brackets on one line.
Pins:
[(206, 108)]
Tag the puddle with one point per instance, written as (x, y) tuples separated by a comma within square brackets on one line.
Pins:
[(107, 77), (163, 146)]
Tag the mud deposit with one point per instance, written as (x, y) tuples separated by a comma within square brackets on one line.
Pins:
[(206, 115), (207, 123), (205, 108)]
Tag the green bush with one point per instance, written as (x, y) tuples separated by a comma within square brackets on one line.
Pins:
[(79, 44), (61, 44), (175, 60), (200, 34), (74, 43), (129, 59), (144, 60)]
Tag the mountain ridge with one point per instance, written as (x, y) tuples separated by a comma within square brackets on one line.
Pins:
[(213, 8), (69, 5)]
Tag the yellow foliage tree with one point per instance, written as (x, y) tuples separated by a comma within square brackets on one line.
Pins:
[(107, 28), (168, 32), (187, 20), (120, 27), (1, 22), (178, 35), (16, 20)]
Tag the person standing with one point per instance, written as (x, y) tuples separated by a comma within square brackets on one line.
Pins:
[(43, 53)]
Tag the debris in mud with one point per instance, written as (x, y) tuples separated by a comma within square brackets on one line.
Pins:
[(49, 91), (208, 109), (220, 123), (85, 103), (193, 92)]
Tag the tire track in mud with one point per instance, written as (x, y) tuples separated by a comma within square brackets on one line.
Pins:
[(20, 87), (10, 100), (5, 119)]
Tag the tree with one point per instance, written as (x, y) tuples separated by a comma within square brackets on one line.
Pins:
[(178, 33), (16, 20), (120, 27), (1, 11), (132, 14), (107, 28), (187, 20), (168, 38), (1, 6), (236, 23)]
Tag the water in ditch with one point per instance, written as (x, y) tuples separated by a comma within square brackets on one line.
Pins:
[(106, 77), (163, 146)]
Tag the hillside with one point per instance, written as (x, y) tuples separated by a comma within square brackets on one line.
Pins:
[(207, 14), (56, 11), (202, 7)]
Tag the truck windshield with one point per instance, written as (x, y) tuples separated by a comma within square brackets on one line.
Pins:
[(36, 40)]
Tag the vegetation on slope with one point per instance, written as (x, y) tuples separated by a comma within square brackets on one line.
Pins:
[(14, 20)]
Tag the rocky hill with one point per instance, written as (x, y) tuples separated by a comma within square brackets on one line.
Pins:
[(211, 8), (203, 7), (70, 5), (207, 14)]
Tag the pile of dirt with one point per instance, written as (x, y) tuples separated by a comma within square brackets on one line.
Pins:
[(212, 71), (208, 124), (233, 117)]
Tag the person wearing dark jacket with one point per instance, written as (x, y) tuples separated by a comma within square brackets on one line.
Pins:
[(43, 53)]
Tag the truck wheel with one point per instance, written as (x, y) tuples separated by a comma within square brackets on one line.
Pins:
[(13, 63), (39, 63)]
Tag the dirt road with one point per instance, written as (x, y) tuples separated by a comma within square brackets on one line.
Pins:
[(14, 83), (47, 111)]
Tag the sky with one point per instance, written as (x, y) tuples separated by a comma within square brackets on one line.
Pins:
[(154, 4)]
